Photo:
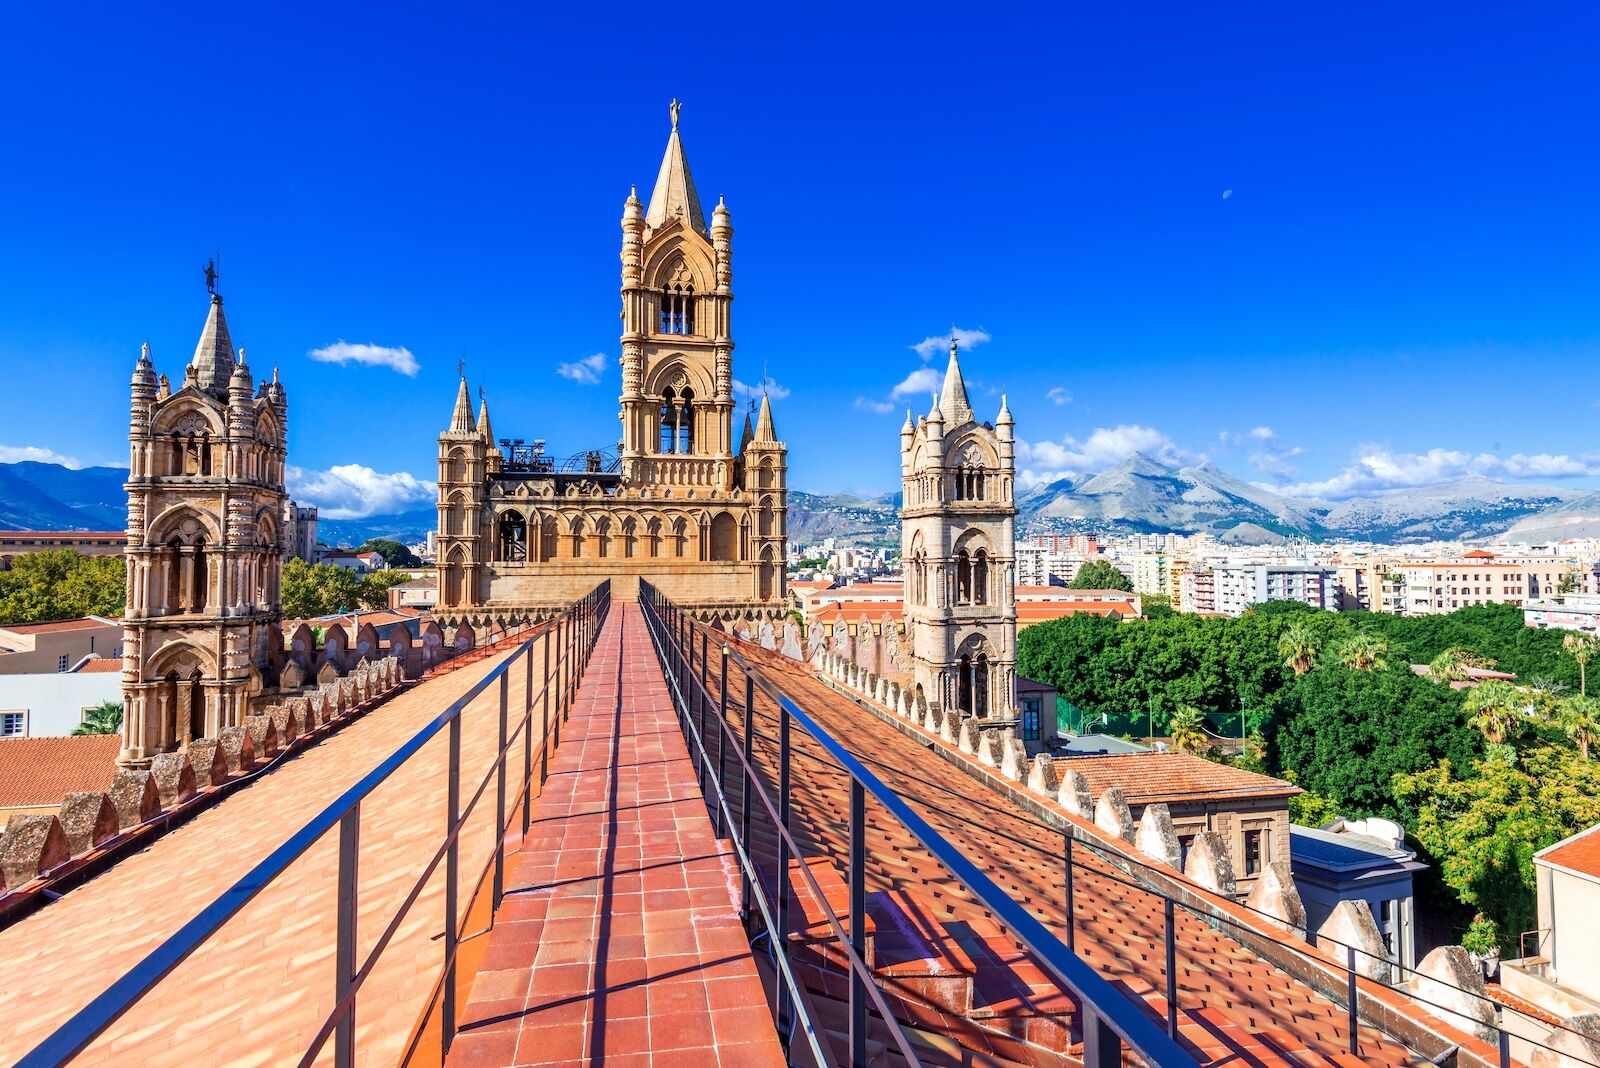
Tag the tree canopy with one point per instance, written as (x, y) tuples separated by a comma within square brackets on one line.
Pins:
[(61, 584), (311, 590), (394, 554), (1101, 575)]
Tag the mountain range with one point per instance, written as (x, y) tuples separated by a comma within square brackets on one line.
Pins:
[(1140, 494)]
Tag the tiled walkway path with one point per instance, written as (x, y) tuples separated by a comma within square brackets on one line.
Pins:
[(619, 942)]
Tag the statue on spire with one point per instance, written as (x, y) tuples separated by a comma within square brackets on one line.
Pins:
[(675, 107), (211, 276)]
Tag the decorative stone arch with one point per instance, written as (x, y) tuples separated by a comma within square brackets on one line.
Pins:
[(511, 535), (766, 517), (455, 514), (172, 522), (178, 708), (767, 473), (575, 534), (970, 568), (452, 590), (672, 251), (549, 536), (766, 576), (677, 370), (186, 413), (975, 657), (268, 430), (456, 465), (653, 535), (724, 537), (629, 534)]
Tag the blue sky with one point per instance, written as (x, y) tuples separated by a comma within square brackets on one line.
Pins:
[(1333, 250)]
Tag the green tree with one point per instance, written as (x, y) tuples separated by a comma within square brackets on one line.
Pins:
[(1186, 728), (1156, 605), (1495, 709), (1346, 734), (1363, 651), (394, 554), (372, 591), (1484, 828), (1455, 664), (1581, 648), (1299, 646), (103, 718), (1579, 719), (61, 584), (311, 590), (1101, 575)]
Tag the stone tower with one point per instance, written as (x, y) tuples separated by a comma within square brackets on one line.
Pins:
[(205, 546), (958, 548), (678, 503)]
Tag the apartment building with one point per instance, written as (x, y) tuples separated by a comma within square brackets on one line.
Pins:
[(1240, 585), (1572, 611), (1150, 572)]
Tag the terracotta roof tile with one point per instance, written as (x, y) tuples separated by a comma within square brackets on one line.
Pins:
[(1147, 778), (60, 626), (42, 771), (1580, 853), (99, 664)]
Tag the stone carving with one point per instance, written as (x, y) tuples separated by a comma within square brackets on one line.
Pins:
[(208, 763), (1210, 865), (174, 778), (1013, 758), (1156, 837), (1275, 896), (32, 846), (135, 797), (1111, 814), (1352, 925), (88, 819), (238, 748), (1074, 794), (1042, 776)]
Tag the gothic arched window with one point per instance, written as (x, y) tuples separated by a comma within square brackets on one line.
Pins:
[(677, 421), (677, 302), (980, 577), (963, 578)]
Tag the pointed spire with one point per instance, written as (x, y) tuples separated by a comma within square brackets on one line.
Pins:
[(935, 414), (1004, 418), (674, 193), (484, 429), (213, 356), (954, 403), (461, 421), (764, 428), (749, 434)]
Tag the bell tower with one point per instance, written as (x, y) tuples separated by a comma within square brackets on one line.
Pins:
[(677, 339)]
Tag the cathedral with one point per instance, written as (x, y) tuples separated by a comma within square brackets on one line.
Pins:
[(206, 515), (957, 549), (680, 501)]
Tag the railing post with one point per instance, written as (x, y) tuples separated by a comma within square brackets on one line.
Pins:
[(722, 736), (1505, 1048), (500, 801), (344, 1034), (780, 940), (527, 739), (744, 799), (1072, 925), (1101, 1046), (561, 692), (1172, 972), (858, 920), (1353, 1022), (544, 727), (447, 1008)]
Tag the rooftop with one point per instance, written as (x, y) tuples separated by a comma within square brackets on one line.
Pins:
[(36, 772), (1579, 854), (62, 625), (98, 664), (1149, 778)]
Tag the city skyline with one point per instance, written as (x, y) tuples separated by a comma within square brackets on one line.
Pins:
[(1103, 222)]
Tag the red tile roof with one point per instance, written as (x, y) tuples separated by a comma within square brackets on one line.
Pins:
[(42, 771), (1148, 778), (60, 625), (99, 664), (1580, 853), (8, 535)]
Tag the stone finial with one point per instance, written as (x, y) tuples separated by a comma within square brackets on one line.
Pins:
[(1450, 983), (1210, 865), (1351, 923), (305, 720), (949, 722), (967, 738), (238, 748), (1074, 794), (1112, 815), (894, 696), (1275, 895), (209, 763), (32, 846), (989, 749), (292, 677), (264, 733), (1156, 838), (791, 641), (174, 777), (88, 819), (1575, 1043), (327, 673), (283, 721), (1013, 758), (135, 797), (1042, 776)]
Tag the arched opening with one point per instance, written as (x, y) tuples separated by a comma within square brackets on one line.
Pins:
[(548, 539), (172, 566), (455, 468), (980, 577), (677, 302), (455, 516), (677, 422), (766, 586), (653, 536), (199, 578), (195, 723), (513, 537), (963, 578), (964, 684), (764, 519), (680, 538), (766, 479), (455, 581), (602, 538), (577, 539), (630, 538), (724, 537), (980, 685)]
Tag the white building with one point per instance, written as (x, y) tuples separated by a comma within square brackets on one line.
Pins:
[(1240, 585), (53, 702), (1573, 611)]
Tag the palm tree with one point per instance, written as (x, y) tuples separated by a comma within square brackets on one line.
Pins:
[(103, 718), (1580, 719), (1364, 651), (1495, 708), (1580, 647), (1298, 645), (1186, 727), (1452, 665)]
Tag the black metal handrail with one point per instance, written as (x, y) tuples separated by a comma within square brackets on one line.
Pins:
[(573, 633), (1108, 1018)]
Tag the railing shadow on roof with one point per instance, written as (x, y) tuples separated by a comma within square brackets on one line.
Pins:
[(570, 636), (1108, 1020)]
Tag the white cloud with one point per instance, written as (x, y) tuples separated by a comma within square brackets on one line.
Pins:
[(923, 380), (16, 454), (1377, 468), (355, 491), (586, 370), (772, 388), (1226, 193), (1275, 462), (1260, 433), (1058, 395), (1263, 433), (881, 407), (342, 352), (929, 347), (1047, 461)]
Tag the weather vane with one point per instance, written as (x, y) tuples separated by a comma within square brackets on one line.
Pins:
[(211, 276), (461, 367)]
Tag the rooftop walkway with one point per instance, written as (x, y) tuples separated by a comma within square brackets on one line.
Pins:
[(256, 991), (619, 940)]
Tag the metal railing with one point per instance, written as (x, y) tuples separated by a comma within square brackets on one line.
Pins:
[(569, 639), (1108, 1018)]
